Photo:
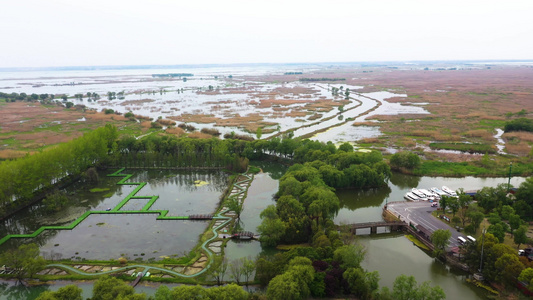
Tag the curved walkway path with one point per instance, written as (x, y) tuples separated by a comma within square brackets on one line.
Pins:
[(238, 190)]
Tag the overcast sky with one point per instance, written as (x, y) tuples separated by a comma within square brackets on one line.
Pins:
[(37, 33)]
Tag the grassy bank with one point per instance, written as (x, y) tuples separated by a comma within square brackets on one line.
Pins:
[(460, 169), (465, 147)]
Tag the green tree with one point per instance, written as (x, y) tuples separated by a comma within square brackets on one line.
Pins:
[(508, 268), (107, 288), (346, 147), (294, 283), (453, 204), (426, 292), (268, 267), (55, 201), (271, 228), (476, 217), (507, 211), (440, 239), (444, 203), (186, 292), (498, 231), (362, 284), (220, 271), (405, 288), (228, 292), (236, 269), (520, 236), (248, 268), (25, 260), (283, 287), (514, 222), (490, 198), (526, 275), (259, 133), (350, 256), (235, 205), (163, 293), (68, 292), (404, 160), (525, 192)]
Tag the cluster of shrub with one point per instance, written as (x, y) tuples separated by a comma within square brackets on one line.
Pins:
[(520, 124)]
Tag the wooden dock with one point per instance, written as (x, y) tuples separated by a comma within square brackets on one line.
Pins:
[(138, 279)]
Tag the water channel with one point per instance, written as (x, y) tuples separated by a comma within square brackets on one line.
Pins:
[(389, 253)]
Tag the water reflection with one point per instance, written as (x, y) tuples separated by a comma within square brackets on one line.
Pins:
[(274, 170), (393, 254), (355, 199), (11, 290), (404, 181)]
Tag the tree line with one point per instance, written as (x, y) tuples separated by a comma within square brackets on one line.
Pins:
[(22, 177)]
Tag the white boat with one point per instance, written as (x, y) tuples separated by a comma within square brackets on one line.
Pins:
[(449, 191), (430, 195), (421, 196), (439, 192), (411, 197)]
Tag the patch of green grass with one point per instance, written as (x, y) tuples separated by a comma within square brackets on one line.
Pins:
[(438, 168), (418, 243), (465, 147), (11, 142), (492, 123), (97, 190), (254, 170)]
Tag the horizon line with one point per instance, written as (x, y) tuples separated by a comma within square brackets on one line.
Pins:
[(208, 65)]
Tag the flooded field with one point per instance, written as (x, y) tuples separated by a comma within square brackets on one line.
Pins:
[(237, 99)]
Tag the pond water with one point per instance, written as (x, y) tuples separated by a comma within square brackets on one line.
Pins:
[(260, 195), (393, 254), (179, 194), (135, 236), (389, 253)]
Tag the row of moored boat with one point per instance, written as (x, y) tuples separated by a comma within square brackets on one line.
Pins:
[(433, 194)]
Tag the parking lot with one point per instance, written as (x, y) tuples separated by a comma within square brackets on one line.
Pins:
[(419, 213)]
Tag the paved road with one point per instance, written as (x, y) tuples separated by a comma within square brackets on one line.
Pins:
[(420, 213)]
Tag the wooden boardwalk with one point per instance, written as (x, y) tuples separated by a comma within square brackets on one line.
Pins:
[(138, 279)]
